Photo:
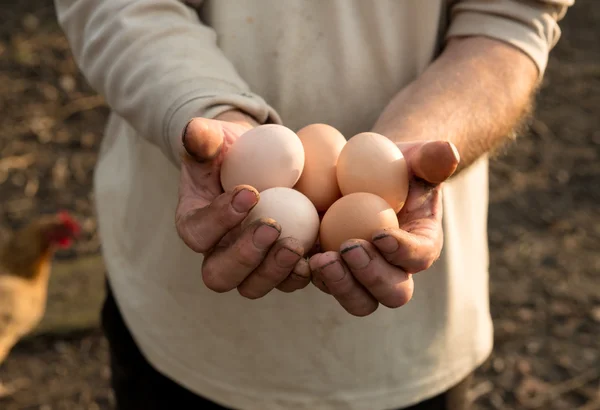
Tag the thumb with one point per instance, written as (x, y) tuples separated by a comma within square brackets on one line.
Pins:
[(432, 161), (202, 139)]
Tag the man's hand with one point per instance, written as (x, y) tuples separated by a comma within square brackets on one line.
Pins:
[(253, 260), (474, 95), (365, 274)]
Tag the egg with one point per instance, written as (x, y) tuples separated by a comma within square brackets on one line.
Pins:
[(264, 157), (370, 162), (355, 216), (294, 212), (322, 146)]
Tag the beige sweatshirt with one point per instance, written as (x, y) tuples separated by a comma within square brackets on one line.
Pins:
[(158, 63)]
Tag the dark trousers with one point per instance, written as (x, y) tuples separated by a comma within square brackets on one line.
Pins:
[(138, 386)]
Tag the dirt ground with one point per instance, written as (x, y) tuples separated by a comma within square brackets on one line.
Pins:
[(544, 224)]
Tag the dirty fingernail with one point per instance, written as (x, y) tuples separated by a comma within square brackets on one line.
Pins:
[(356, 257), (286, 257), (185, 130), (244, 200), (386, 243), (265, 235)]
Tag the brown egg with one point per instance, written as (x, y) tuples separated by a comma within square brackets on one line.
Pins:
[(355, 216), (264, 157), (370, 162), (294, 212), (322, 145)]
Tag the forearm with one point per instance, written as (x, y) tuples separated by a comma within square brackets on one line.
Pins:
[(475, 95)]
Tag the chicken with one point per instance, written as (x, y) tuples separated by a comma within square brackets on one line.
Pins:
[(25, 266)]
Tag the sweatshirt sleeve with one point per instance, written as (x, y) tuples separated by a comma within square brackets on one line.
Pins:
[(529, 25), (157, 66)]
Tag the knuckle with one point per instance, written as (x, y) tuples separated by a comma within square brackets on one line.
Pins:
[(301, 275), (422, 264), (298, 285), (224, 220), (219, 216), (372, 278), (192, 239), (319, 284), (299, 280), (363, 310), (200, 245), (345, 292), (271, 275), (286, 288), (401, 296), (301, 270), (198, 241), (217, 286), (249, 293), (213, 281), (247, 258)]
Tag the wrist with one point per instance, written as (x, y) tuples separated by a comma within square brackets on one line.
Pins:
[(477, 94), (237, 117)]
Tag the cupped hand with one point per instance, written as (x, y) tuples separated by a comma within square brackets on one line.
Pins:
[(365, 274), (254, 260)]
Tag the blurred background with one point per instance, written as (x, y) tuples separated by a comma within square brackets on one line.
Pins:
[(544, 225)]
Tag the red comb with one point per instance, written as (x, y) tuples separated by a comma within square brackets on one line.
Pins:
[(69, 221)]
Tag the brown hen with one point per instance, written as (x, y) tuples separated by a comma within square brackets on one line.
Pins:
[(25, 266)]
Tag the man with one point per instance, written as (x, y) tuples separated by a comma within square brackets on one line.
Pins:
[(229, 318)]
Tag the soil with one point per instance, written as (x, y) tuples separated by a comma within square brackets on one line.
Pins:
[(544, 225)]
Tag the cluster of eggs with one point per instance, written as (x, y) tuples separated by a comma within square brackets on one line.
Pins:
[(357, 185)]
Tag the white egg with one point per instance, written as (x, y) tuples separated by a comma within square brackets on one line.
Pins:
[(294, 212)]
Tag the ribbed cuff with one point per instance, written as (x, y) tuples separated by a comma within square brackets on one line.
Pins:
[(519, 34), (209, 104)]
